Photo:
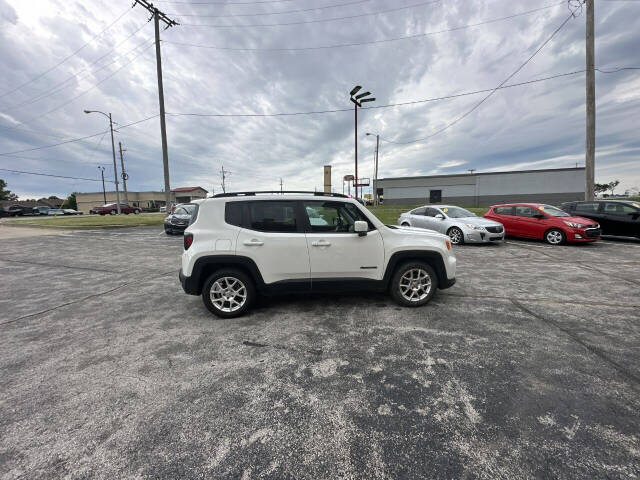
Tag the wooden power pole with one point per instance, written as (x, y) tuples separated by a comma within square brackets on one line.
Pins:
[(157, 17), (590, 158), (124, 174)]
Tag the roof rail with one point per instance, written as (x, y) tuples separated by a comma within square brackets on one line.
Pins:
[(252, 194)]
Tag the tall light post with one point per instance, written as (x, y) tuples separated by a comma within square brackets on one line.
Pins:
[(113, 150), (375, 172), (358, 100), (104, 191)]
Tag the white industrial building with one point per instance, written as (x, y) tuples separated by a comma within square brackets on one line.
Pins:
[(552, 186)]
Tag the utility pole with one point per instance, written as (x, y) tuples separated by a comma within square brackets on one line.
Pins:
[(104, 191), (123, 173), (224, 176), (376, 202), (113, 151), (280, 184), (590, 158), (157, 17)]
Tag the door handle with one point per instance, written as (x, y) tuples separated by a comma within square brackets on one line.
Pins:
[(253, 243), (321, 243)]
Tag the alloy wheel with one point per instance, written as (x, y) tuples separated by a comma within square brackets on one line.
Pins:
[(455, 235), (228, 294), (415, 284), (554, 237)]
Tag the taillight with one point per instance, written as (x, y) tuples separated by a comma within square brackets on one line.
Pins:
[(188, 240), (448, 243)]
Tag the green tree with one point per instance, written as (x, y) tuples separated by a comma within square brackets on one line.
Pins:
[(612, 185), (600, 188), (6, 194), (70, 201)]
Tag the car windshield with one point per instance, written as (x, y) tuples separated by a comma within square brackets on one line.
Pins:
[(553, 211), (189, 208), (457, 212)]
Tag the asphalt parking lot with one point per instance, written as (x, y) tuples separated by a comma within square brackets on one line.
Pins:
[(529, 367)]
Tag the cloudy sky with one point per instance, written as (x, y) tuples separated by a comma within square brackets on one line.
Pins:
[(262, 57)]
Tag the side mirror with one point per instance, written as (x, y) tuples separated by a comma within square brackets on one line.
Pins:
[(360, 228), (439, 216)]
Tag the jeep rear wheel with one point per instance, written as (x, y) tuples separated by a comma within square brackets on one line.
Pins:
[(228, 293), (413, 284)]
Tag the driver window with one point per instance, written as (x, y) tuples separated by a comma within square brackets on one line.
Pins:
[(618, 208), (526, 212), (431, 212), (333, 217)]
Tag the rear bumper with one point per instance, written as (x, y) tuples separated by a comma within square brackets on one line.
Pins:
[(189, 285)]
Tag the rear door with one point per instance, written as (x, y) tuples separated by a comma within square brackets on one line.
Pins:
[(335, 250), (273, 237), (590, 210), (504, 215)]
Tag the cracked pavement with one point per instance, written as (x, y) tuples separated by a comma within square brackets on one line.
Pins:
[(529, 367)]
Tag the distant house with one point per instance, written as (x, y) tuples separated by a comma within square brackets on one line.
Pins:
[(188, 194), (145, 200)]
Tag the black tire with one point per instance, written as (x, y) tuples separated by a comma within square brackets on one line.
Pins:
[(238, 275), (456, 235), (555, 236), (396, 292), (168, 231)]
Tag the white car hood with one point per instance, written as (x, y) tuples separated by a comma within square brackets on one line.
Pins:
[(418, 232)]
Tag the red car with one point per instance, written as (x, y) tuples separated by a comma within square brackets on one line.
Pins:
[(112, 209), (535, 220)]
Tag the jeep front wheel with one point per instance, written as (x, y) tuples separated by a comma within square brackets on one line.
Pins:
[(228, 293), (413, 284)]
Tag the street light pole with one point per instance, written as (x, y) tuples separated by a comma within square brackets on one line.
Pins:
[(104, 191), (375, 170), (113, 151), (358, 100)]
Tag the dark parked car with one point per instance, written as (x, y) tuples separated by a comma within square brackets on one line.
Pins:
[(616, 217), (112, 209), (179, 219), (40, 210), (18, 210)]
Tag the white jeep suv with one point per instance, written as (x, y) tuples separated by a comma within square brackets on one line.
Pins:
[(239, 245)]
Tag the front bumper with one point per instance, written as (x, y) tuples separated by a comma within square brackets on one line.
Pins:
[(189, 285), (583, 235), (175, 227), (480, 236)]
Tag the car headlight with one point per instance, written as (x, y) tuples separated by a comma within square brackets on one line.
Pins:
[(573, 224), (474, 227)]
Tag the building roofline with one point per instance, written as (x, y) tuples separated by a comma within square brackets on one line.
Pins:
[(483, 173)]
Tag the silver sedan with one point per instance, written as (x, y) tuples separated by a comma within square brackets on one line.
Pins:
[(461, 225)]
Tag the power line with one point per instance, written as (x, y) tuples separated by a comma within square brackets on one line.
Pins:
[(54, 89), (42, 74), (372, 42), (222, 3), (356, 2), (52, 175), (321, 20), (73, 140), (81, 93), (494, 90)]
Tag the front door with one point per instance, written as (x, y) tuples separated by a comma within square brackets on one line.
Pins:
[(335, 250), (526, 224), (433, 223), (273, 237), (620, 219)]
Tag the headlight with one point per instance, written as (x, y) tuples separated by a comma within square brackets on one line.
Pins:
[(573, 224), (474, 227)]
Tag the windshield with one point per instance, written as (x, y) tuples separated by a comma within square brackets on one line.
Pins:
[(189, 209), (553, 211), (457, 212)]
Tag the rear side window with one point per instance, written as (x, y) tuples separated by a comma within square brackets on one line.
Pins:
[(618, 208), (233, 213), (590, 207), (503, 210), (418, 211), (273, 216)]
